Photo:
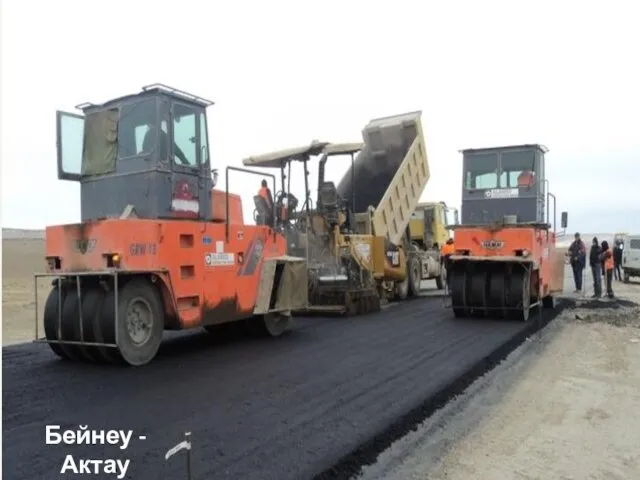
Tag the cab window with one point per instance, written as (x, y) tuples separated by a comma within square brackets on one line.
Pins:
[(204, 140), (481, 171), (513, 164), (136, 129), (185, 148)]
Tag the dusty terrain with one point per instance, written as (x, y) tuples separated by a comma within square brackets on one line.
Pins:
[(22, 256), (563, 406)]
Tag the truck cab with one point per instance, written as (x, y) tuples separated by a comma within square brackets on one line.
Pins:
[(429, 223)]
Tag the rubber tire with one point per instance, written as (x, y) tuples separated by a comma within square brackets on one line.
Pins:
[(70, 324), (459, 287), (92, 318), (625, 277), (50, 319), (519, 293), (477, 297), (496, 291), (275, 324), (402, 288), (90, 314), (415, 275), (139, 288)]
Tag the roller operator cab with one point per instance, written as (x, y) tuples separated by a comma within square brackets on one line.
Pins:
[(505, 261), (158, 247)]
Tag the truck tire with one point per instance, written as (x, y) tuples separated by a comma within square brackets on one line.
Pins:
[(414, 272), (402, 289)]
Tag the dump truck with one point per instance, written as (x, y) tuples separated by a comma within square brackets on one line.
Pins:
[(158, 247), (388, 177), (506, 262), (428, 231)]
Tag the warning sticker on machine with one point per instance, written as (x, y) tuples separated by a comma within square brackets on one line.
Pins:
[(501, 193), (364, 251), (394, 258), (217, 259)]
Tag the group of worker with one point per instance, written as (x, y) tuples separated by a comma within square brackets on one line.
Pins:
[(604, 262)]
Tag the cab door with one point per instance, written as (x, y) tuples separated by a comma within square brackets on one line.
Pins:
[(69, 143), (191, 177)]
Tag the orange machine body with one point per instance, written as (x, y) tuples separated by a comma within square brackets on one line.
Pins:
[(219, 207), (206, 277), (511, 244)]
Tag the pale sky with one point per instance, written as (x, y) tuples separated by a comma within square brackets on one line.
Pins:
[(484, 73)]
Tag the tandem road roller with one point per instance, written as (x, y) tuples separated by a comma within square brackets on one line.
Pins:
[(158, 248), (505, 262)]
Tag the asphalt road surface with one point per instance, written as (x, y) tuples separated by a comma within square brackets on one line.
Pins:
[(286, 408)]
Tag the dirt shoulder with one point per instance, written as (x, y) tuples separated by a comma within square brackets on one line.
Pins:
[(21, 259)]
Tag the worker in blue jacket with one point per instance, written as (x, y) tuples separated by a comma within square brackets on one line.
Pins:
[(578, 259)]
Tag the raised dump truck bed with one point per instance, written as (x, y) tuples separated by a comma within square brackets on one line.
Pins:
[(391, 172)]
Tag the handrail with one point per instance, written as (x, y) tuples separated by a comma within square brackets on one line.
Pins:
[(549, 194)]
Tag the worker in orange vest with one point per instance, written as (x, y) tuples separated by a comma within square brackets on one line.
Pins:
[(265, 193), (446, 251), (607, 259)]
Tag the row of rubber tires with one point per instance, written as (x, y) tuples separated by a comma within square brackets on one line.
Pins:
[(90, 317), (498, 291)]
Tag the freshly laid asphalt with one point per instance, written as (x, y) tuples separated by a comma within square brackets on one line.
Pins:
[(286, 408)]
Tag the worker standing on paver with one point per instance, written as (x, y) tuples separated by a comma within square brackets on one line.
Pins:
[(596, 272), (578, 258), (617, 260), (607, 258), (265, 193)]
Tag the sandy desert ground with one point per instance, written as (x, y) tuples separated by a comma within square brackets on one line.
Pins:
[(22, 256)]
